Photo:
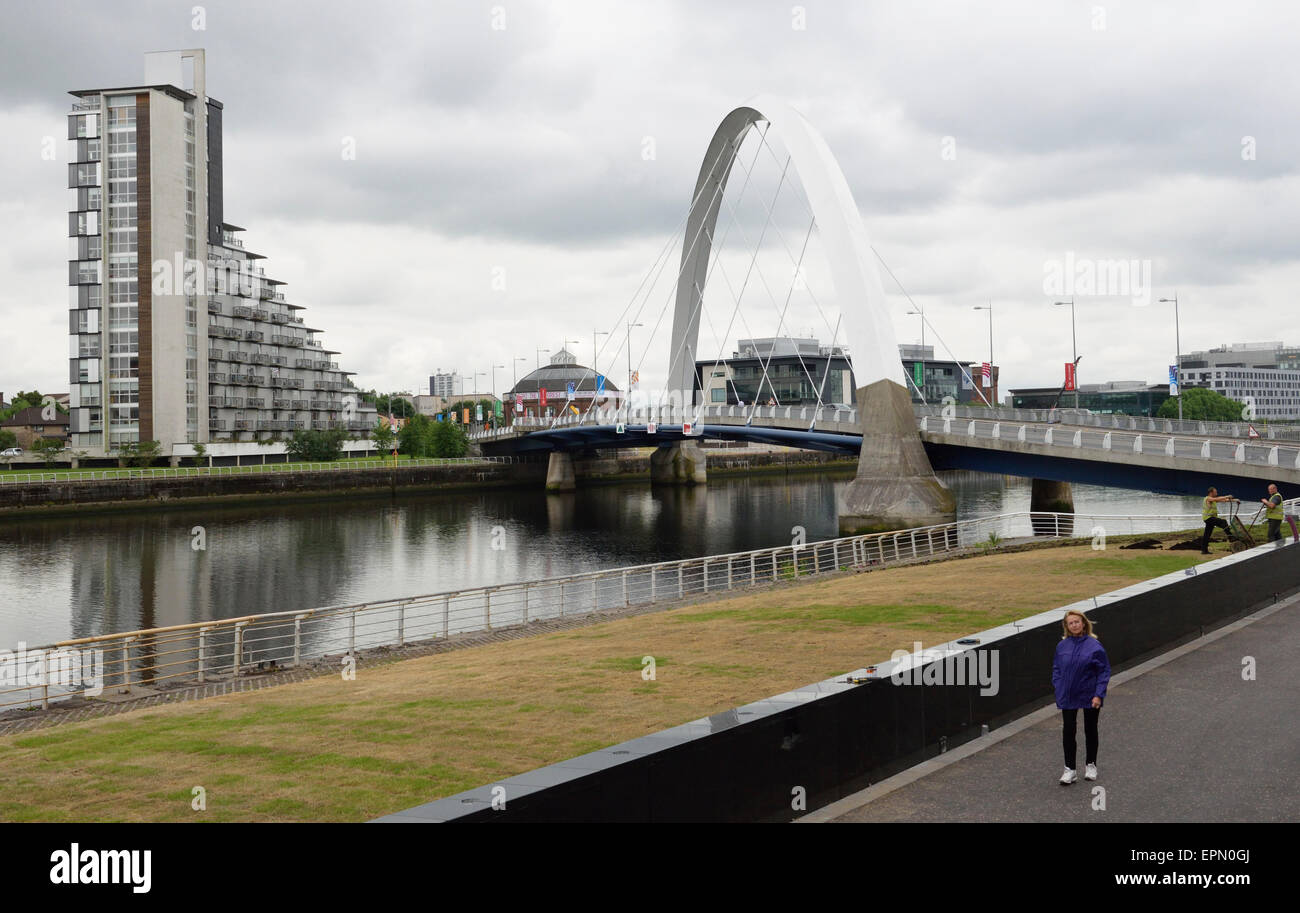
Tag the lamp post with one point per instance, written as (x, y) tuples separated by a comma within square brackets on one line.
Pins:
[(595, 370), (539, 357), (628, 395), (1074, 349), (989, 307), (494, 379), (921, 313), (1178, 354)]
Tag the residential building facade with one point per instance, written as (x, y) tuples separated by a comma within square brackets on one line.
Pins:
[(178, 333)]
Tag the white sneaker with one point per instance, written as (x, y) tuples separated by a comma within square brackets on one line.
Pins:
[(1069, 776), (1091, 772)]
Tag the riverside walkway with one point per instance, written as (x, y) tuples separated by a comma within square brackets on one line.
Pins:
[(1184, 738)]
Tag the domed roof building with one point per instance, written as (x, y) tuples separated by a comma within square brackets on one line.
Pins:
[(567, 385)]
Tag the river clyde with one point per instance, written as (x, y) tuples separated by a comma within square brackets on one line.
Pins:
[(107, 572)]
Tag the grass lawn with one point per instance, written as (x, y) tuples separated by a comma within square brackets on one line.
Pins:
[(411, 731)]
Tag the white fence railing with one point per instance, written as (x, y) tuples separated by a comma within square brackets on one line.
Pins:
[(1068, 416), (231, 647), (186, 472), (1079, 438)]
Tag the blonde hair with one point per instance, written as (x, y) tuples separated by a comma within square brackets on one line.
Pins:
[(1065, 624)]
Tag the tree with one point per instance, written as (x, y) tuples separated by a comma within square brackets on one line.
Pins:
[(200, 451), (402, 408), (383, 436), (139, 453), (1201, 405), (415, 439), (7, 439), (48, 449), (316, 446), (449, 441)]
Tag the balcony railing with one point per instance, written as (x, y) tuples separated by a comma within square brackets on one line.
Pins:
[(255, 402), (215, 378), (250, 379), (254, 335), (287, 340), (216, 424)]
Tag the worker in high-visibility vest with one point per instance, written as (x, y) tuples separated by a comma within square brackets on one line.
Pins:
[(1210, 514), (1273, 512)]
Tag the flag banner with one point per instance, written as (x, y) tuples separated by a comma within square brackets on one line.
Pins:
[(478, 413), (636, 377), (986, 372), (497, 408), (570, 390), (1069, 375), (519, 403), (541, 397), (918, 374), (466, 416), (966, 382), (600, 383)]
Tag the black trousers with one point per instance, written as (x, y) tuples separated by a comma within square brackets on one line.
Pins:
[(1274, 530), (1210, 524), (1069, 718)]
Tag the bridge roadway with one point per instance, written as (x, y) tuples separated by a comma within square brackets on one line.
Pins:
[(1136, 459), (1182, 738)]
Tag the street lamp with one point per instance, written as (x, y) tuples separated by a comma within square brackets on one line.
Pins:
[(628, 395), (539, 357), (1178, 354), (1074, 349), (595, 334), (989, 307), (922, 315), (494, 379)]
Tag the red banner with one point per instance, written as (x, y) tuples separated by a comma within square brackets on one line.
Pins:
[(1069, 375), (541, 397)]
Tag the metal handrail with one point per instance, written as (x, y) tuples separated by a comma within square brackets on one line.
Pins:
[(231, 647), (183, 472)]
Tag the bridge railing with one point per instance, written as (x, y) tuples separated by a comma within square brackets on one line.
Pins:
[(676, 415), (223, 649), (1139, 423), (185, 472), (1216, 449)]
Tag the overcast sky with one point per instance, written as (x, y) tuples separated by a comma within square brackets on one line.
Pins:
[(552, 148)]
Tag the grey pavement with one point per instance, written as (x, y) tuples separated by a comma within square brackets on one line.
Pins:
[(1183, 738)]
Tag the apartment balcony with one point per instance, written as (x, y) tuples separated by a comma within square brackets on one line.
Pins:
[(242, 425), (216, 424), (260, 358), (319, 405), (322, 426), (288, 340), (216, 355), (315, 345), (225, 402), (302, 362), (214, 307), (255, 402), (248, 379), (237, 356), (287, 382), (266, 293), (282, 403), (254, 335), (215, 378), (359, 426), (280, 318), (279, 360)]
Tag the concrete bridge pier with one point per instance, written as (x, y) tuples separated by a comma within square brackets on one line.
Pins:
[(559, 472), (895, 487), (683, 463), (1051, 497)]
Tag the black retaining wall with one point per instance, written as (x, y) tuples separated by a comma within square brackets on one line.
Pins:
[(835, 738)]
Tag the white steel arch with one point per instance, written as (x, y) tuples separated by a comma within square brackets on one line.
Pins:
[(868, 331)]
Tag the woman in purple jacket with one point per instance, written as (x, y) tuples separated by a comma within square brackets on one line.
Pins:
[(1080, 672)]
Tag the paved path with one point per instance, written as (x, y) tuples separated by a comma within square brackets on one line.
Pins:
[(1183, 738)]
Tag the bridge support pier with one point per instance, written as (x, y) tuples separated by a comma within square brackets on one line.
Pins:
[(683, 463), (559, 472), (1051, 497), (895, 487)]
